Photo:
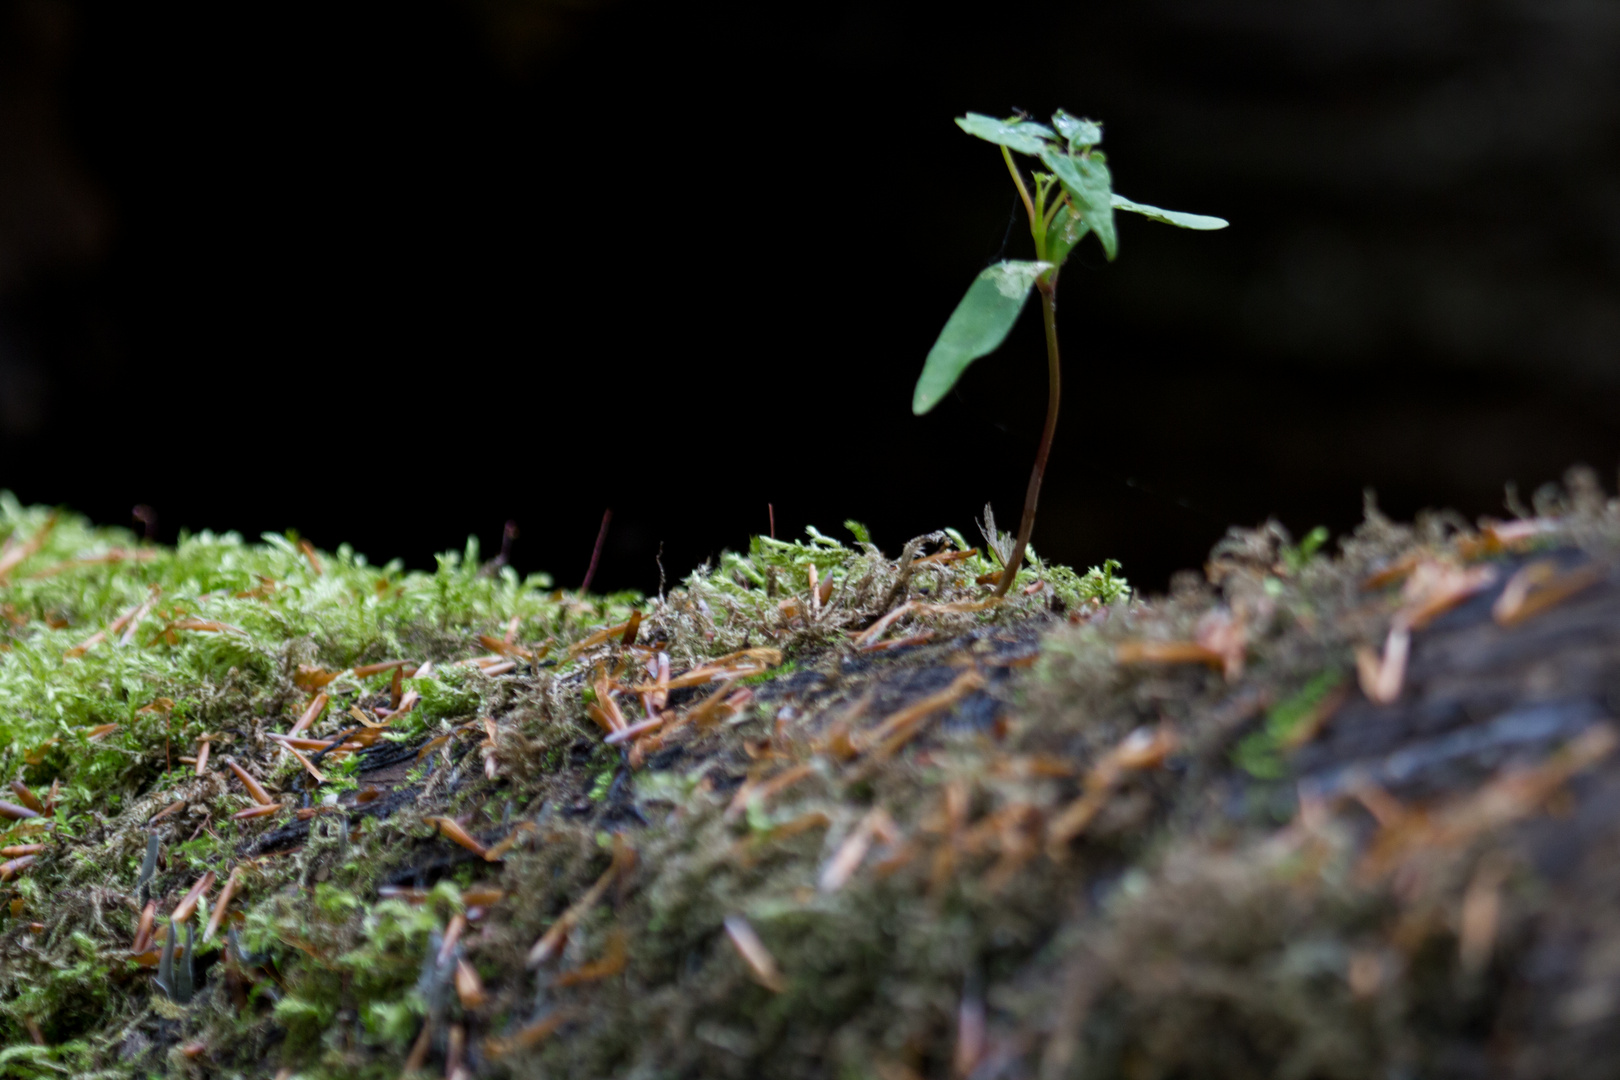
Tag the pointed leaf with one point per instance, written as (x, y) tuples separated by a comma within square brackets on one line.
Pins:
[(1089, 185), (1065, 231), (1080, 133), (1170, 217), (1023, 136), (979, 324)]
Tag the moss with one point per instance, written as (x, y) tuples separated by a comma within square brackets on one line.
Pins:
[(1260, 754), (1185, 923)]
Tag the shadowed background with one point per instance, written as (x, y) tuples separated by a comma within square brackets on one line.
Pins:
[(394, 274)]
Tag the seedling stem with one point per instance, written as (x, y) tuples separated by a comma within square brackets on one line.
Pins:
[(1054, 394)]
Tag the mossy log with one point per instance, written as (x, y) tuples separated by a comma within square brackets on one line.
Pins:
[(815, 812)]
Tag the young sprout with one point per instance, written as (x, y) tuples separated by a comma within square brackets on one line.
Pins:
[(1074, 197)]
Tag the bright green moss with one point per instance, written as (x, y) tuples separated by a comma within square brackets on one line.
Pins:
[(218, 633)]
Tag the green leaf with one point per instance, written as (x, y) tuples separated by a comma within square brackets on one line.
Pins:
[(1065, 231), (979, 324), (1089, 185), (1170, 217), (1024, 136), (1080, 133)]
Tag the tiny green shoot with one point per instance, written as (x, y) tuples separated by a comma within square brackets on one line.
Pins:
[(1295, 557), (1074, 197)]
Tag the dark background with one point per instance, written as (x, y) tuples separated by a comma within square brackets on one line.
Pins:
[(399, 273)]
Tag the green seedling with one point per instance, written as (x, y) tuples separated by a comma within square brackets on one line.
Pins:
[(1295, 557), (1074, 197)]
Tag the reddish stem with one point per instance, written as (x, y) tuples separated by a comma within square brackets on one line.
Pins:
[(1054, 394), (596, 552)]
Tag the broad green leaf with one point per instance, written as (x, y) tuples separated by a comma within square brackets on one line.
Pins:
[(1024, 136), (1065, 231), (1089, 185), (1080, 133), (979, 324), (1170, 217)]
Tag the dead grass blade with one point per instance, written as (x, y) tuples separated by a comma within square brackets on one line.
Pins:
[(469, 987), (315, 744), (1382, 677), (363, 671), (452, 830), (1144, 748), (313, 677), (1436, 586), (1166, 652), (217, 915), (309, 766), (885, 739), (852, 852), (737, 665), (530, 1035), (551, 942), (311, 714), (27, 797), (13, 554), (16, 866), (206, 626), (1481, 913), (15, 812), (896, 643), (1537, 586), (759, 792), (761, 964), (1407, 836), (133, 619), (634, 731), (360, 715), (612, 962), (188, 903), (603, 635), (143, 928), (309, 553), (255, 791), (115, 627)]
